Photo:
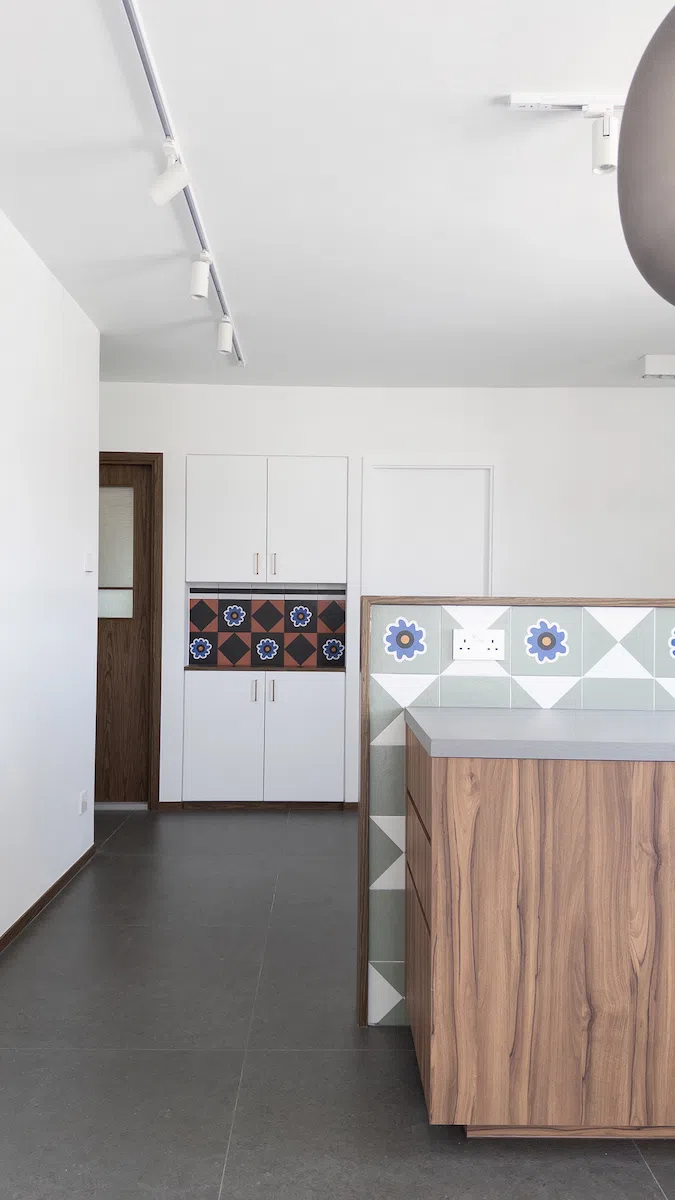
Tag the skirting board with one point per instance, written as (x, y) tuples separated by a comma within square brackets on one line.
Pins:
[(569, 1131), (227, 805), (15, 929)]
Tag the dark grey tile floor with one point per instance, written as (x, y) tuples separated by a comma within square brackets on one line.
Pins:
[(178, 1025)]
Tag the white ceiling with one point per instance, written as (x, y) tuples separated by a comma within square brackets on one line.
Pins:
[(377, 215)]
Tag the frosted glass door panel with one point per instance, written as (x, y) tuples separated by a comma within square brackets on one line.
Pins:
[(115, 602), (425, 531), (116, 537)]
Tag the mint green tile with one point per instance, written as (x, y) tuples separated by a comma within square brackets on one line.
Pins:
[(521, 699), (640, 642), (383, 708), (664, 630), (596, 641), (426, 617), (523, 618), (448, 624), (460, 691), (398, 1015), (394, 973), (382, 852), (610, 694), (387, 781), (386, 927), (663, 699)]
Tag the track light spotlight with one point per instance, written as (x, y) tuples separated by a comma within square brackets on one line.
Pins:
[(225, 336), (199, 279), (174, 177), (605, 143)]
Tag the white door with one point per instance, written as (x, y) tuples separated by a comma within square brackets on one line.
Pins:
[(226, 518), (224, 736), (307, 520), (304, 737), (425, 531)]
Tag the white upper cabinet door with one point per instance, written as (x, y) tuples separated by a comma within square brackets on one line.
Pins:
[(307, 520), (226, 518), (425, 531), (304, 737), (224, 736)]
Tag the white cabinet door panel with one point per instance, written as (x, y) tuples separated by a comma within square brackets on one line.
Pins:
[(224, 736), (304, 737), (425, 531), (307, 520), (226, 518)]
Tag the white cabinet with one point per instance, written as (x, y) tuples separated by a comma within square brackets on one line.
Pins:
[(307, 519), (224, 736), (226, 522), (258, 520), (304, 737), (252, 737), (425, 531)]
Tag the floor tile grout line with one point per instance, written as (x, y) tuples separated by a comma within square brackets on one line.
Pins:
[(665, 1196), (250, 1024), (115, 830), (62, 889)]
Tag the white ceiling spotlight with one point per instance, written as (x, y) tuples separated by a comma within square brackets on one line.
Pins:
[(605, 143), (601, 109), (174, 177), (225, 336), (200, 276)]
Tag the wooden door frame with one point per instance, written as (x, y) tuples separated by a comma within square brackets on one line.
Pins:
[(156, 462), (367, 604)]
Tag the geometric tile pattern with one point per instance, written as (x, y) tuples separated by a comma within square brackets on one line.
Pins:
[(556, 656), (267, 631)]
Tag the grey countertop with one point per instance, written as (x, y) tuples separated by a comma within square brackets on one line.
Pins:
[(544, 733)]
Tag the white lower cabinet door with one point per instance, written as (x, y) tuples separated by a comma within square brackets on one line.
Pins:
[(304, 737), (224, 736)]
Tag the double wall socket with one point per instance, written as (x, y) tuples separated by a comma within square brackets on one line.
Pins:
[(479, 645)]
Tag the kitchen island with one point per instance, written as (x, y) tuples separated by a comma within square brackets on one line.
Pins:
[(540, 919)]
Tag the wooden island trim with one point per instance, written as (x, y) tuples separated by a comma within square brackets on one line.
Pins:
[(541, 978)]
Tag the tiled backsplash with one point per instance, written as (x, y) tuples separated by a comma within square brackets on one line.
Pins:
[(556, 656), (268, 630)]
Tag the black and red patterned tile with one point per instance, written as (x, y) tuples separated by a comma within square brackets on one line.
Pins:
[(331, 616), (202, 649), (234, 650), (232, 630), (203, 614)]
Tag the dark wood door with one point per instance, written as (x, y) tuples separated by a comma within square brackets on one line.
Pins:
[(123, 710)]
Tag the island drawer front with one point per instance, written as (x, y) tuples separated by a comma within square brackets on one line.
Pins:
[(418, 857), (418, 777), (418, 982)]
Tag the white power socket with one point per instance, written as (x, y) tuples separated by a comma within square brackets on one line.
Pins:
[(83, 803), (479, 645)]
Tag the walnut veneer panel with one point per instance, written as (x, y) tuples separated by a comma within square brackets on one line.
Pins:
[(418, 777), (553, 935), (418, 980), (418, 857)]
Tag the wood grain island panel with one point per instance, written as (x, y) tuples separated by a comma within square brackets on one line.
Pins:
[(542, 982)]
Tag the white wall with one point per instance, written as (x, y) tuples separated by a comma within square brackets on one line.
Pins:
[(48, 520), (584, 491)]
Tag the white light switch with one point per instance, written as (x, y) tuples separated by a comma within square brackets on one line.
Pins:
[(89, 562), (479, 645)]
